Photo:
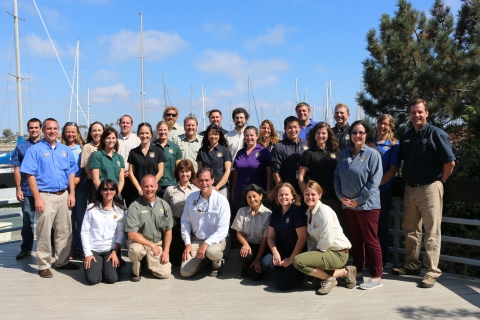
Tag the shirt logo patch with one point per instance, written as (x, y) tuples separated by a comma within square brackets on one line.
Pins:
[(46, 154), (305, 147), (79, 151), (287, 220), (64, 154), (315, 226), (195, 202), (362, 158), (151, 154), (115, 217), (219, 154), (347, 137), (162, 210), (333, 156), (118, 163), (424, 141), (385, 148), (257, 154), (170, 150)]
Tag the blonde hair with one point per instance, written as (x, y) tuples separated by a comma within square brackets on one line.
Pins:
[(315, 186), (265, 141), (342, 105), (274, 194), (391, 122)]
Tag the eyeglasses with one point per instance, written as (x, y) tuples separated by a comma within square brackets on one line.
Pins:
[(358, 133), (173, 115), (108, 189), (67, 124)]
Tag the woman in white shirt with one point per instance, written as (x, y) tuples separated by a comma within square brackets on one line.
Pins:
[(328, 246), (102, 234)]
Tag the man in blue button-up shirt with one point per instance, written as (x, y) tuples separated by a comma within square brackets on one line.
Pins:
[(50, 168)]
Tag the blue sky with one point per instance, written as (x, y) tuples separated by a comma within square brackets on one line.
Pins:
[(217, 44)]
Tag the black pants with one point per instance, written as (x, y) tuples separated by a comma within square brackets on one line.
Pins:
[(247, 261), (287, 278), (177, 246), (129, 192), (101, 270)]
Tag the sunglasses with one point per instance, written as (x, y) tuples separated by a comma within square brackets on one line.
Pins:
[(67, 124), (108, 189), (173, 115), (358, 133)]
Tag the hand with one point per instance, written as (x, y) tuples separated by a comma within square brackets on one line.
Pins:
[(88, 259), (245, 251), (20, 196), (114, 258), (354, 203), (164, 257), (347, 202), (286, 262), (256, 265), (155, 249), (187, 251), (39, 205), (202, 250), (216, 188), (140, 192), (71, 200), (277, 260), (126, 173)]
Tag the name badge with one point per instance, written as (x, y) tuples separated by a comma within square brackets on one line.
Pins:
[(46, 154), (406, 140), (345, 159), (144, 211)]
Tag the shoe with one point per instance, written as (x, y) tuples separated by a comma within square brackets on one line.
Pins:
[(45, 273), (68, 266), (350, 280), (427, 282), (23, 254), (401, 271), (326, 286), (135, 278), (214, 273), (370, 285)]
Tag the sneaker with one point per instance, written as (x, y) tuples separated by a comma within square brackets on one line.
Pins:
[(45, 273), (68, 266), (427, 282), (401, 271), (135, 278), (350, 280), (23, 254), (326, 286), (370, 285), (214, 273)]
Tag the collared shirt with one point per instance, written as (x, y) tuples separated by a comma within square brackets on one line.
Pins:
[(324, 231), (424, 154), (51, 167), (101, 229), (145, 164), (215, 159), (358, 178), (321, 165), (343, 136), (109, 167), (87, 151), (252, 168), (235, 140), (304, 130), (203, 133), (77, 154), (176, 197), (286, 157), (189, 148), (172, 154), (176, 130), (390, 157), (17, 159), (255, 228), (285, 227), (125, 144), (150, 222), (207, 219)]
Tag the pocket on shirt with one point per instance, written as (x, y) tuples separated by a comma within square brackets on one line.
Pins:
[(212, 218)]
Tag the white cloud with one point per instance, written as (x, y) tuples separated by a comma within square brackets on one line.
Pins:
[(220, 28), (275, 36), (158, 45), (104, 75), (117, 92), (42, 47)]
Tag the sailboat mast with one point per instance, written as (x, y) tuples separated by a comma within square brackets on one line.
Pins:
[(78, 64), (142, 64), (203, 106), (230, 113), (17, 62), (164, 90), (249, 86), (88, 106), (191, 101), (276, 109), (73, 83)]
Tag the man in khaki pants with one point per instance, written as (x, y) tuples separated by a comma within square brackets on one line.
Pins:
[(50, 168), (149, 225)]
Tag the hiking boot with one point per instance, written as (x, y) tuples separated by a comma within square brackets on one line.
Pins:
[(326, 286), (23, 254), (401, 271), (427, 282), (350, 280), (45, 273), (370, 285)]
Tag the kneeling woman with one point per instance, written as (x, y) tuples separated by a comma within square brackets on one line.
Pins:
[(102, 234), (328, 246), (251, 223)]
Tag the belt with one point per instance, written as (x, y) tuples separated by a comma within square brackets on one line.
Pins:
[(416, 185), (56, 192), (344, 250)]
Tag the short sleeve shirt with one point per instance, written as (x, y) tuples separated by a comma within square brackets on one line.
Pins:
[(390, 157), (189, 148), (255, 228), (285, 227), (172, 154), (87, 152), (176, 197), (16, 160), (145, 164), (215, 160), (125, 144), (343, 136), (252, 168), (109, 167)]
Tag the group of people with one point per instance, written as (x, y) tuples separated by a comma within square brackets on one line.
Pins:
[(295, 206)]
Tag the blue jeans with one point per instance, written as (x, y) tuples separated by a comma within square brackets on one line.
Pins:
[(78, 212), (288, 277), (386, 199), (28, 213)]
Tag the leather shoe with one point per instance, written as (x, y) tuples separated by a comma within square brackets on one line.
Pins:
[(135, 278), (23, 254), (45, 273), (68, 266)]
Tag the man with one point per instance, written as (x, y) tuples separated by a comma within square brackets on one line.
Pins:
[(235, 137), (204, 224), (428, 162), (342, 128), (149, 225), (170, 115), (127, 140), (215, 117), (23, 192), (190, 142), (287, 153), (50, 168), (304, 121)]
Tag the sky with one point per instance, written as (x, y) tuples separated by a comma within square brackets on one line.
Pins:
[(217, 44)]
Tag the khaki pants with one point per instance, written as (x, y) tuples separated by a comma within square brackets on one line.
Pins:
[(214, 252), (136, 252), (423, 205), (57, 216)]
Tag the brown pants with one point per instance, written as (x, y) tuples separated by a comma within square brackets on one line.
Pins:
[(214, 252), (136, 252)]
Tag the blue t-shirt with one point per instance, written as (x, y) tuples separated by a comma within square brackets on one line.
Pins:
[(303, 134), (390, 157), (17, 159), (77, 152)]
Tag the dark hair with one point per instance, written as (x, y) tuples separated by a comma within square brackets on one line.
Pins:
[(184, 164), (332, 141), (145, 124), (255, 188), (104, 136), (214, 110), (417, 101), (368, 133), (89, 135), (34, 120), (249, 128), (78, 138), (239, 110), (98, 199), (126, 115), (203, 169), (290, 119), (48, 119), (221, 141), (301, 104)]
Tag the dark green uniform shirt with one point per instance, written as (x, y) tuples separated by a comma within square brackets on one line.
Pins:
[(172, 153), (109, 167)]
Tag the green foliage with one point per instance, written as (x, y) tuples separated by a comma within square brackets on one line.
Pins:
[(7, 133)]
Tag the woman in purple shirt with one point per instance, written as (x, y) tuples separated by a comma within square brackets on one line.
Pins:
[(252, 166)]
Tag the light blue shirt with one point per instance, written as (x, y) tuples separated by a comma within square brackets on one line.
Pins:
[(303, 134), (16, 160), (77, 152), (390, 157), (358, 178), (51, 167)]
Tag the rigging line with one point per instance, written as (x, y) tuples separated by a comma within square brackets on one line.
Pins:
[(254, 103)]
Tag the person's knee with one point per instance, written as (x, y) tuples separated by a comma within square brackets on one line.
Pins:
[(214, 253), (297, 263), (163, 274), (186, 272), (93, 279)]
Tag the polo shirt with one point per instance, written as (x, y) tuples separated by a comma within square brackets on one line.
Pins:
[(176, 196), (189, 148), (125, 144), (109, 167), (303, 131), (285, 227), (17, 159), (87, 151), (252, 168), (424, 153), (215, 160), (176, 130), (150, 222), (172, 153), (343, 136), (77, 154), (145, 164), (254, 228), (235, 140), (321, 165), (390, 157), (51, 167)]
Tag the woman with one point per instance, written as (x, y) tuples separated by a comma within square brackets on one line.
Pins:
[(172, 154), (107, 163), (102, 234), (268, 136), (175, 196), (72, 137), (214, 154), (145, 159), (93, 141), (287, 236), (389, 147), (328, 246), (252, 166), (251, 223), (357, 176)]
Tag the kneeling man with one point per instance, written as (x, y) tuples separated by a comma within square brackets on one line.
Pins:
[(149, 224), (205, 221)]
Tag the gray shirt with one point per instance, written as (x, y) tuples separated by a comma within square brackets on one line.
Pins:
[(189, 148), (255, 228)]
